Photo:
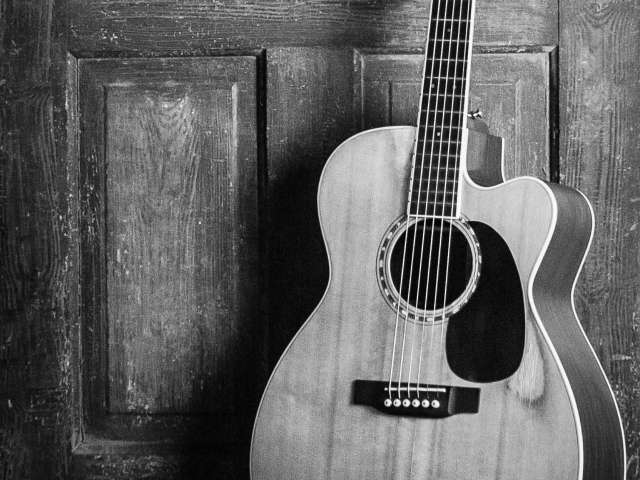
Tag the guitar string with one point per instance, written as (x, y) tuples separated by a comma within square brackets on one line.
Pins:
[(451, 226), (419, 201), (406, 237), (437, 183), (461, 124), (438, 256), (446, 178)]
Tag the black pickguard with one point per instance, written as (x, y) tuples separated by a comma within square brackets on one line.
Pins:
[(485, 339)]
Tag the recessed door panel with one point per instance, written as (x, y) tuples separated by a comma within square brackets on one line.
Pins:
[(170, 247)]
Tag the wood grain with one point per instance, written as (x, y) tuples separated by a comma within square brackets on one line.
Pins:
[(36, 298), (599, 101), (116, 26), (168, 158), (169, 253), (525, 424)]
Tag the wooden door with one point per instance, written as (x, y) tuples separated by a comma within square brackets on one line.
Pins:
[(160, 165)]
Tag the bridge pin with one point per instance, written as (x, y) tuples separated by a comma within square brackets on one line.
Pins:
[(406, 402), (388, 402), (415, 403), (397, 402), (435, 404), (426, 404)]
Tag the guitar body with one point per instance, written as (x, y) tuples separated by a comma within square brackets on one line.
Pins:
[(551, 417)]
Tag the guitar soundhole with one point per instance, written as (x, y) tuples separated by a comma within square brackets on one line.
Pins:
[(430, 266)]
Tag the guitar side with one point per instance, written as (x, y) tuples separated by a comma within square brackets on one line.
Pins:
[(532, 425)]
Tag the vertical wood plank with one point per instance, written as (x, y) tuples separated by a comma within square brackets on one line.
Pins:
[(600, 147), (310, 99), (37, 298)]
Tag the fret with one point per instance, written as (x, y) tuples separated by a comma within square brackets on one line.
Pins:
[(435, 77), (450, 89), (435, 174), (457, 18), (439, 108), (436, 59), (440, 117), (448, 127), (430, 179), (435, 103), (435, 178), (448, 183), (445, 86), (446, 217), (434, 167), (434, 197), (449, 146), (448, 44), (442, 97), (439, 137), (448, 68), (436, 171), (449, 132), (430, 208), (448, 29), (446, 50), (450, 40), (431, 211), (450, 8), (444, 156), (441, 133), (448, 95)]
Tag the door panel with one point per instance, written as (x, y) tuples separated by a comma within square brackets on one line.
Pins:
[(513, 90), (170, 334)]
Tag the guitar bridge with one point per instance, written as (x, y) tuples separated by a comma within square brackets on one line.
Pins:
[(413, 400)]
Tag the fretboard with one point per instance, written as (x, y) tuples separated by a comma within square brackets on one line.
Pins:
[(443, 105)]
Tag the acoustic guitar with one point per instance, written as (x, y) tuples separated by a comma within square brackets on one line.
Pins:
[(446, 345)]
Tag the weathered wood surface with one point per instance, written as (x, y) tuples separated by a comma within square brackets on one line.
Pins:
[(599, 104), (37, 304), (185, 27), (38, 234), (169, 249)]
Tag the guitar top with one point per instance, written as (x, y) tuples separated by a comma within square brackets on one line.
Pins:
[(446, 346)]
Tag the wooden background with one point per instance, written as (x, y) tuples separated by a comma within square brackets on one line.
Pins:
[(308, 49)]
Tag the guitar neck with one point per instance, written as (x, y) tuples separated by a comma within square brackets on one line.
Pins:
[(443, 110)]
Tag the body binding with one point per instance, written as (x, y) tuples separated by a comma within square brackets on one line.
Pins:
[(554, 418)]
